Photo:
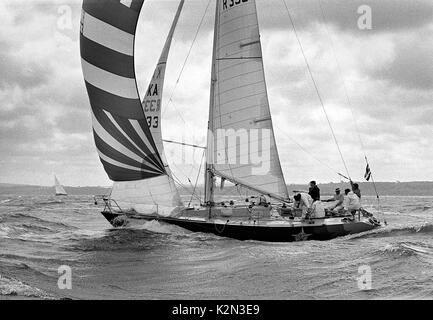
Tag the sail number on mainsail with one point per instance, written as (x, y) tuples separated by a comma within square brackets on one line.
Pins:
[(231, 3)]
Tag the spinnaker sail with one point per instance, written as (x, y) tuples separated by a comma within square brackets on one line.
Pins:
[(122, 136), (156, 194), (127, 132)]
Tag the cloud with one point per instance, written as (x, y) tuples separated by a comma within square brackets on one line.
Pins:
[(44, 112), (14, 72), (387, 15), (411, 67)]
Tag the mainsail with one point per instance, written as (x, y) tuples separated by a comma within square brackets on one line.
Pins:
[(60, 191), (121, 130), (240, 124)]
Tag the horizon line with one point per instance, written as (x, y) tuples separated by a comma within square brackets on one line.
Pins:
[(287, 184)]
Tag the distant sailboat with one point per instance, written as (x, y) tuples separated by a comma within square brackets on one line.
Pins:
[(60, 191), (128, 137)]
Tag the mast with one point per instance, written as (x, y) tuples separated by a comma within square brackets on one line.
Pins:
[(209, 175)]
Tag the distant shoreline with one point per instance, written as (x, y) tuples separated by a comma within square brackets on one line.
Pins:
[(416, 188)]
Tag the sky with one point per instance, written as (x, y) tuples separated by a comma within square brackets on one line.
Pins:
[(386, 70)]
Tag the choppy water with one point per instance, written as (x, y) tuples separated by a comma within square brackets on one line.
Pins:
[(39, 234)]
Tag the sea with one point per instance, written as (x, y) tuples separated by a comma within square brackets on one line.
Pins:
[(62, 248)]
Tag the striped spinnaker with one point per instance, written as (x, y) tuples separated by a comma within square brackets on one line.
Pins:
[(124, 142), (158, 194)]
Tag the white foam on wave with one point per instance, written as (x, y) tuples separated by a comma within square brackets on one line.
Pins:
[(4, 231), (422, 251), (157, 227), (395, 248), (419, 250), (13, 287)]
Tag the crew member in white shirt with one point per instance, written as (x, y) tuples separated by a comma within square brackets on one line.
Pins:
[(351, 201)]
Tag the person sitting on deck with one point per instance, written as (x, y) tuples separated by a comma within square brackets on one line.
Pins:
[(337, 201), (351, 202), (303, 201), (263, 201), (314, 191), (355, 189)]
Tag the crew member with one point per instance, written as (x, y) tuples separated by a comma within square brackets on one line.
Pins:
[(314, 191), (303, 201), (337, 201), (355, 189), (351, 201)]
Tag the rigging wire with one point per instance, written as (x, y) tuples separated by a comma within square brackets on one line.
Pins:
[(311, 154), (170, 101), (316, 88), (192, 165), (185, 144), (340, 72), (377, 195), (180, 184), (196, 181), (189, 180), (350, 104), (178, 181)]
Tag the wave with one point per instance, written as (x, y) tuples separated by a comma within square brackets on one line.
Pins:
[(29, 231), (177, 234), (407, 249), (389, 231), (119, 239), (150, 235), (53, 202), (20, 258), (396, 249), (417, 209), (422, 208), (15, 288), (27, 228), (29, 221), (155, 227)]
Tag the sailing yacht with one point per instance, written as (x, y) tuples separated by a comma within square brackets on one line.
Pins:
[(128, 137), (60, 191)]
